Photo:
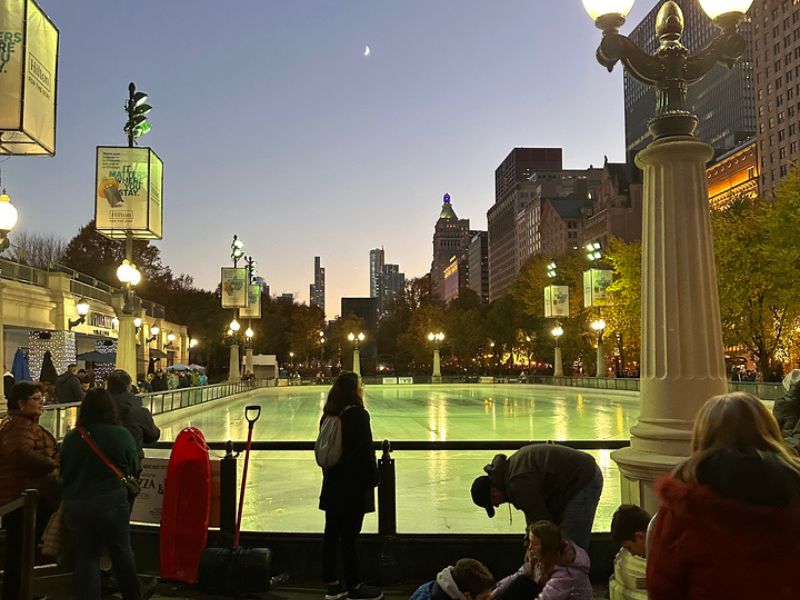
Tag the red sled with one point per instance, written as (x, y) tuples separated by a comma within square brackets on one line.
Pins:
[(186, 508)]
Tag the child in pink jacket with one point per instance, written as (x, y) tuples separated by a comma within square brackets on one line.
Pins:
[(554, 569)]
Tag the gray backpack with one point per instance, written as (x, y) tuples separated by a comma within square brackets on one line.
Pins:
[(328, 447)]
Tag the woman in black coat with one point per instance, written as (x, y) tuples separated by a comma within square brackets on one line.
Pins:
[(348, 490)]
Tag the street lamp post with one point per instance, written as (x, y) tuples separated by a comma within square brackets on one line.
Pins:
[(599, 325), (436, 339), (356, 340), (682, 359), (558, 369), (235, 365), (8, 220), (248, 361), (130, 276)]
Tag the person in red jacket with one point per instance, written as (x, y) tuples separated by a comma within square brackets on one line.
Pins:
[(729, 522)]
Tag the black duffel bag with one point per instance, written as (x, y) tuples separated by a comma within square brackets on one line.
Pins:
[(235, 571)]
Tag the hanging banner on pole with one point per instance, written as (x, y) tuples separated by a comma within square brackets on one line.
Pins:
[(28, 76), (128, 184), (595, 286), (556, 301), (234, 287), (253, 310)]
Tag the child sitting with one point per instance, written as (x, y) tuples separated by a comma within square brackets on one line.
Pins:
[(467, 580), (554, 569), (629, 532)]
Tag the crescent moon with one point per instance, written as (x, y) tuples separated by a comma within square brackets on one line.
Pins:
[(367, 51)]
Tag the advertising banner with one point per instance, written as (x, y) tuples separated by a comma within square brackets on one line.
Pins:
[(148, 505), (128, 186), (556, 301), (389, 380), (234, 287), (253, 310), (595, 284), (405, 380), (28, 74)]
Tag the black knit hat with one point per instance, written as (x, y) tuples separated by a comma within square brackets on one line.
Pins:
[(482, 493)]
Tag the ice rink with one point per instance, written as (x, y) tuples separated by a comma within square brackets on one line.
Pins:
[(433, 487)]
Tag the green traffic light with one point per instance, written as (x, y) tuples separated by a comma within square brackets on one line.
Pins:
[(140, 130)]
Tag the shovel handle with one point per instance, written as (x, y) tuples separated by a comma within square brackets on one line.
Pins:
[(252, 414)]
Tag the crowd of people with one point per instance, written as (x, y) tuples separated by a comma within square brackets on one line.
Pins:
[(727, 525), (81, 485)]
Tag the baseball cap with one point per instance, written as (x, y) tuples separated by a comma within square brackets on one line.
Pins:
[(482, 493)]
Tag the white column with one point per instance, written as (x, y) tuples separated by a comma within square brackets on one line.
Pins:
[(558, 369), (234, 373), (601, 357), (248, 361), (682, 360), (357, 361), (437, 365), (126, 346)]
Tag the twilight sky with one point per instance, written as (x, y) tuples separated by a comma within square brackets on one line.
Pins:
[(273, 125)]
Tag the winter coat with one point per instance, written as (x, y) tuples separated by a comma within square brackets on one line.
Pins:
[(443, 588), (787, 413), (68, 388), (735, 534), (567, 582), (28, 458), (541, 479), (136, 419), (349, 486)]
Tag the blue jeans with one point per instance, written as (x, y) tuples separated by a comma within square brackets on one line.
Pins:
[(576, 524), (96, 523)]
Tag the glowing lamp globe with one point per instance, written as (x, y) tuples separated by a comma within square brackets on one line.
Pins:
[(193, 343), (235, 326), (136, 276), (115, 322), (440, 336), (8, 214), (83, 308), (154, 330), (351, 336), (361, 337), (599, 8), (125, 271), (598, 325), (171, 338), (137, 322), (557, 331), (249, 333), (716, 8), (431, 337)]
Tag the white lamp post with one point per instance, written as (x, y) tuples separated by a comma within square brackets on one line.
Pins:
[(599, 325), (356, 339), (436, 339), (130, 277), (248, 361), (235, 365), (558, 369), (682, 354), (8, 220)]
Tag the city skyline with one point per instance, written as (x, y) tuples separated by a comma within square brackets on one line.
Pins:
[(250, 137)]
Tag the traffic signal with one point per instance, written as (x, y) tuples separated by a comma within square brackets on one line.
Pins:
[(137, 109)]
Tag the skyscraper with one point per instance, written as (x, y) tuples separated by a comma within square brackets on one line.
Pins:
[(776, 50), (479, 264), (376, 259), (317, 289), (392, 282), (513, 192), (450, 239), (724, 100)]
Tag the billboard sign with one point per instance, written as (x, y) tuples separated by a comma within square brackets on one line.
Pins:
[(595, 286), (253, 310), (128, 184), (234, 287), (556, 301), (28, 76)]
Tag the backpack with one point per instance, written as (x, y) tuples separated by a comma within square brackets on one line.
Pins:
[(328, 447)]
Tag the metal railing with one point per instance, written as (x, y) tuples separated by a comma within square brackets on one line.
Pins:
[(387, 487), (27, 503), (19, 272), (60, 418)]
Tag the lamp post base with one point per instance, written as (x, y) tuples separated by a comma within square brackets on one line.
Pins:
[(682, 360), (235, 369), (558, 369), (357, 361), (126, 346)]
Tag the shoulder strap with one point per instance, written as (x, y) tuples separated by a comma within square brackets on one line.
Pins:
[(99, 453)]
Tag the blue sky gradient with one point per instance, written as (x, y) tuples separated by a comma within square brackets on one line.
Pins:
[(273, 125)]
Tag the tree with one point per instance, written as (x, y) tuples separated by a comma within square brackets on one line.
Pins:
[(757, 256), (38, 250), (623, 310)]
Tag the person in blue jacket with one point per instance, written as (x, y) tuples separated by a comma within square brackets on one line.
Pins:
[(469, 579)]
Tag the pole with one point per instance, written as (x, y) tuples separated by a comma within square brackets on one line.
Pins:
[(601, 356), (437, 366), (356, 361), (558, 369), (227, 495), (387, 514), (234, 373)]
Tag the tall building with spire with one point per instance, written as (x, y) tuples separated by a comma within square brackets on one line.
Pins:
[(451, 238), (317, 289)]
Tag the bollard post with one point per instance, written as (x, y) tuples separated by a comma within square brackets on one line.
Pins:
[(227, 495), (387, 514), (28, 554)]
